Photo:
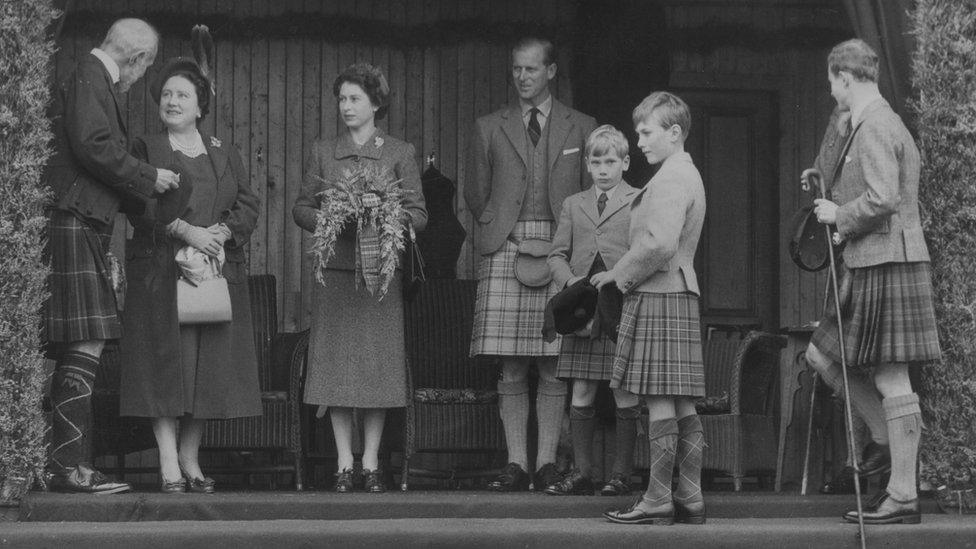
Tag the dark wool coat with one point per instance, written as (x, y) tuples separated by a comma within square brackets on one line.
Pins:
[(227, 376), (356, 355)]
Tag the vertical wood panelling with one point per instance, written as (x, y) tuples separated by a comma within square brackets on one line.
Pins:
[(274, 98)]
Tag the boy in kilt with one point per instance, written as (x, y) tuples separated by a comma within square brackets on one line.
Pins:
[(524, 160), (886, 292), (659, 354), (591, 237), (91, 176)]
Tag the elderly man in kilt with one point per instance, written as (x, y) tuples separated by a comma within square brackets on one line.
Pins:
[(91, 176), (659, 353), (886, 293), (525, 160)]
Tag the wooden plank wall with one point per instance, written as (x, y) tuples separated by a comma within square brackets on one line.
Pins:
[(798, 77), (274, 98)]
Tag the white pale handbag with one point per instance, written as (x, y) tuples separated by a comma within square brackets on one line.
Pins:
[(202, 294)]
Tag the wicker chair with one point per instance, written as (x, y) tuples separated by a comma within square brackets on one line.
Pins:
[(739, 410), (452, 405), (281, 367)]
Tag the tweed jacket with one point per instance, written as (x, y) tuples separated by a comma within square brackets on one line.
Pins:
[(326, 164), (91, 172), (497, 175), (666, 218), (582, 233), (877, 192)]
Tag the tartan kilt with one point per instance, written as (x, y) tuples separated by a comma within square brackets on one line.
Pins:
[(82, 305), (508, 316), (889, 316), (585, 358), (659, 349)]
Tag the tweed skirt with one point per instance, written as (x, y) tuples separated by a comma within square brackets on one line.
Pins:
[(585, 358), (82, 305), (508, 316), (888, 316), (659, 349)]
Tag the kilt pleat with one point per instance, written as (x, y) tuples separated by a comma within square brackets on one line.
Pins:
[(659, 348), (585, 358), (889, 317), (508, 316), (82, 305)]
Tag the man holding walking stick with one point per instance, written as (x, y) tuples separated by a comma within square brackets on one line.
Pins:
[(886, 306)]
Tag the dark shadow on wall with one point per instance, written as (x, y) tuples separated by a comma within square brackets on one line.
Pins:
[(620, 55)]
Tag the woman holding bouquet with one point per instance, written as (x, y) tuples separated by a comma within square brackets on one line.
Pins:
[(361, 190)]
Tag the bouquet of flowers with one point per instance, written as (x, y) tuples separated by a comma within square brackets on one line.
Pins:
[(372, 197)]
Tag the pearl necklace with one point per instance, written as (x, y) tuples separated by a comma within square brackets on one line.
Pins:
[(193, 150)]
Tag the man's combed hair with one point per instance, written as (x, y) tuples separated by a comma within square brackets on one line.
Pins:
[(669, 108), (605, 139), (855, 57), (548, 48)]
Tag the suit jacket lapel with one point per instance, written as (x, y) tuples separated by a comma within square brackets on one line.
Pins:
[(588, 205), (620, 199), (515, 130), (559, 126)]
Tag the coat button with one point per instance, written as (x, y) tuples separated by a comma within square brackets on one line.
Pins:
[(598, 231)]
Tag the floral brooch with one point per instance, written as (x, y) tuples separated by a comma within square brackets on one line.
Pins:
[(378, 142), (214, 142)]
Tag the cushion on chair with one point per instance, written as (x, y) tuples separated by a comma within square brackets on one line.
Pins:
[(434, 395)]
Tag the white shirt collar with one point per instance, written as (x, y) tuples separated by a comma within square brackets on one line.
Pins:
[(544, 109), (110, 65), (609, 192), (858, 110)]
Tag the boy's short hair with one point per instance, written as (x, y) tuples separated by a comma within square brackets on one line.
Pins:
[(670, 110), (856, 57), (605, 139)]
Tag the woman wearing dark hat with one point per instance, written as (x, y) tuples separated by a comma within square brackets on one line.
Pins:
[(356, 354), (182, 375)]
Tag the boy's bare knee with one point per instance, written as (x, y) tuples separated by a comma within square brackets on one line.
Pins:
[(514, 370)]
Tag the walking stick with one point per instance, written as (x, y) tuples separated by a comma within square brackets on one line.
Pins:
[(843, 366), (814, 377)]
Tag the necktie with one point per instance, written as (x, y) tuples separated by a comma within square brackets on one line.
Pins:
[(535, 130), (601, 203)]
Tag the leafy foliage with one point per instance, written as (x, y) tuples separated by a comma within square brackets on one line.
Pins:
[(25, 67), (944, 77)]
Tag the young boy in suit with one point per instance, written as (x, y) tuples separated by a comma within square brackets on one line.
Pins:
[(590, 238)]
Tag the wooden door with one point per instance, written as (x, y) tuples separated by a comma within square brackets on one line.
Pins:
[(733, 143)]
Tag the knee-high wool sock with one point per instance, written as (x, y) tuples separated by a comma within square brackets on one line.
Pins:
[(691, 443), (582, 422), (663, 436), (865, 401), (904, 431), (625, 436), (513, 407), (550, 405), (71, 391)]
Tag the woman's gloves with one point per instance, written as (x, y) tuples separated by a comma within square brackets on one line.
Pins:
[(208, 240)]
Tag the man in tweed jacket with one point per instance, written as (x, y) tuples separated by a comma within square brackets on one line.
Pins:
[(525, 159), (886, 306), (91, 176)]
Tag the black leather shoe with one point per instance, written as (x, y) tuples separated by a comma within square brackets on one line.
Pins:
[(374, 481), (689, 514), (84, 479), (875, 460), (203, 485), (876, 501), (172, 487), (343, 484), (573, 484), (843, 483), (513, 478), (618, 485), (890, 511), (546, 476), (632, 515)]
